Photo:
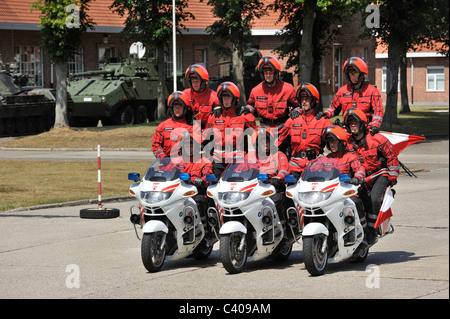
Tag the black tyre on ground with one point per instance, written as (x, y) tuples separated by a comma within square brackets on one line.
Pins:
[(95, 213)]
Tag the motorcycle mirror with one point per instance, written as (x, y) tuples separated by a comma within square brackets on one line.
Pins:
[(263, 177), (134, 177), (185, 176), (210, 177), (344, 177), (290, 179)]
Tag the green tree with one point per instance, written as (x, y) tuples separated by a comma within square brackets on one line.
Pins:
[(63, 23), (231, 33), (308, 32), (403, 25), (150, 22)]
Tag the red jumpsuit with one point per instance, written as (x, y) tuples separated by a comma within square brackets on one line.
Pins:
[(374, 148), (349, 163), (366, 99), (167, 135), (275, 165), (272, 103), (381, 165), (197, 169), (202, 103), (227, 132), (304, 133)]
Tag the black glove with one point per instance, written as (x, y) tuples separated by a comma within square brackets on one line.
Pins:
[(244, 110), (374, 130), (295, 113), (321, 114), (198, 182), (354, 181), (276, 182), (392, 182), (217, 111), (165, 160)]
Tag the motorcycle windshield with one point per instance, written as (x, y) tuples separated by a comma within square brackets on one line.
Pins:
[(322, 169), (162, 171), (240, 172)]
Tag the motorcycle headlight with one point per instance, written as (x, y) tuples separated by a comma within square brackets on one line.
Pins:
[(313, 197), (154, 197), (233, 197)]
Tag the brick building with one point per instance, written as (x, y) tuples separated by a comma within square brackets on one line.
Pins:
[(20, 42), (427, 76)]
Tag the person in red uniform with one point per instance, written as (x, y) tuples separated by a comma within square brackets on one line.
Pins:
[(202, 98), (227, 128), (349, 162), (302, 131), (357, 94), (380, 162), (272, 162), (167, 132), (272, 98), (187, 162)]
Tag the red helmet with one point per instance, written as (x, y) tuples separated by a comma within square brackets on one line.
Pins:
[(335, 133), (228, 88), (178, 97), (269, 61), (261, 135), (356, 64), (307, 89), (358, 115), (197, 71)]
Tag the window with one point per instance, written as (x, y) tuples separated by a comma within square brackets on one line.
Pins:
[(104, 54), (29, 60), (169, 63), (384, 80), (435, 79), (359, 52), (200, 57), (76, 63)]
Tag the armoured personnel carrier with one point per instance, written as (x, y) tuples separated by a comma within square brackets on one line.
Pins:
[(24, 111), (123, 93)]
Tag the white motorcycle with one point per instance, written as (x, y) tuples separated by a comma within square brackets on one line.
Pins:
[(331, 231), (251, 228), (168, 216)]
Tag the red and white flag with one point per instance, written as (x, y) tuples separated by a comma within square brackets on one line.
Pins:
[(401, 141), (385, 210)]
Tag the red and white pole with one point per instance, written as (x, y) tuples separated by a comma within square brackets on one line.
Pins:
[(99, 178)]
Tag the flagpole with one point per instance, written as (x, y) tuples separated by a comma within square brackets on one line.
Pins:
[(174, 52)]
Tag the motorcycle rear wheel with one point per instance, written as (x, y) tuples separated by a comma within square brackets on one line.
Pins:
[(152, 255), (315, 260), (233, 259)]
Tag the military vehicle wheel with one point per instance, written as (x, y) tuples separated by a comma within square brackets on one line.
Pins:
[(140, 115), (2, 127), (41, 124), (153, 112), (20, 125), (31, 124), (127, 116), (10, 126)]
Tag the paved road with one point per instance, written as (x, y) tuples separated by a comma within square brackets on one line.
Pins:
[(52, 253)]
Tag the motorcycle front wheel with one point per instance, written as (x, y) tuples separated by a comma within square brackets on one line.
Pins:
[(315, 260), (233, 259), (152, 254)]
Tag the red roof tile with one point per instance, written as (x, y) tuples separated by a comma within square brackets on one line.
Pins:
[(18, 11)]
